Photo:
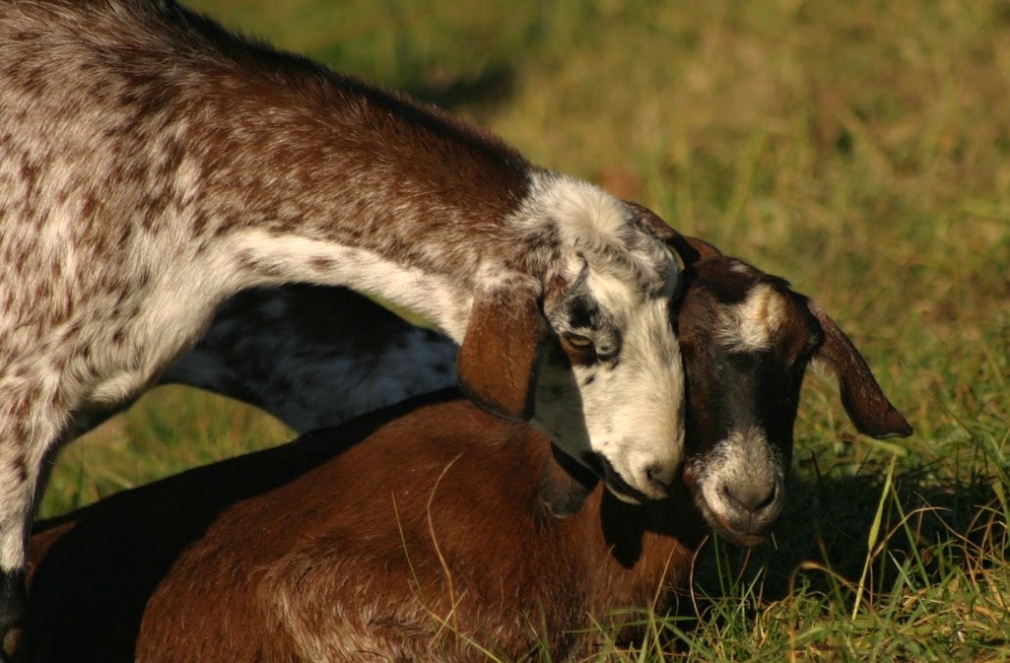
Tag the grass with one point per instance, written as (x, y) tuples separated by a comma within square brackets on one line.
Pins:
[(862, 150)]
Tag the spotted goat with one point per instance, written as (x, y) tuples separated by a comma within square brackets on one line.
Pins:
[(152, 165), (492, 532), (312, 356)]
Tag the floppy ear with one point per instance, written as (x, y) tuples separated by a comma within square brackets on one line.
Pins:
[(500, 355), (565, 484), (690, 249), (865, 402)]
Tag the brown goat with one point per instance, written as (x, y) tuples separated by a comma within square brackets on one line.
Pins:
[(332, 548)]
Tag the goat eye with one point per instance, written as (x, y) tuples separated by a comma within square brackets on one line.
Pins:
[(578, 341), (580, 349)]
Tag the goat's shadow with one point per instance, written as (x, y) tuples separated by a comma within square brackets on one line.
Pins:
[(822, 541)]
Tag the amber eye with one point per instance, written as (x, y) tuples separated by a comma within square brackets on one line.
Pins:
[(578, 341)]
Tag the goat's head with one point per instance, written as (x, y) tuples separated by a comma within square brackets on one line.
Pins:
[(747, 339), (587, 353)]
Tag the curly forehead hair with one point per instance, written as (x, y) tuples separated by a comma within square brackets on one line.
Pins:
[(594, 229), (633, 255)]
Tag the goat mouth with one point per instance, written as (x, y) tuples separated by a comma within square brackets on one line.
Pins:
[(742, 528), (720, 524), (612, 479), (735, 536)]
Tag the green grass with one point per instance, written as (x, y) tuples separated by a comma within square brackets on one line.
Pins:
[(862, 150)]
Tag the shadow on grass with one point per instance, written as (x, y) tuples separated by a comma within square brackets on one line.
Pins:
[(931, 533)]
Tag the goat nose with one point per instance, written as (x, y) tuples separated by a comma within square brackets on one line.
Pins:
[(751, 497), (660, 476)]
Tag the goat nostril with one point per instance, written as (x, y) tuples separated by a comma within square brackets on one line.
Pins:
[(752, 498), (769, 498), (656, 474)]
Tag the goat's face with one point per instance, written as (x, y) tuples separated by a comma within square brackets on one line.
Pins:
[(618, 361), (747, 340), (616, 367), (607, 383)]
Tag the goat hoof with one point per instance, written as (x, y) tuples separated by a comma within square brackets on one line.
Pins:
[(11, 639), (13, 599)]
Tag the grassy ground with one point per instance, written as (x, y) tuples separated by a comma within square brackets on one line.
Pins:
[(862, 150)]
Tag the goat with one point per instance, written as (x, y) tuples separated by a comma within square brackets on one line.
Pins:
[(329, 549), (312, 356), (152, 165)]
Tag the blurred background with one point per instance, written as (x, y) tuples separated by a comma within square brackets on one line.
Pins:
[(861, 149)]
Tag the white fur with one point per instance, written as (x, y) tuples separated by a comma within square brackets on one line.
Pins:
[(437, 297), (584, 213), (746, 460), (632, 413), (751, 325)]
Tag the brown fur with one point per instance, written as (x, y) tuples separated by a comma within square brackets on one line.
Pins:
[(499, 359), (299, 554)]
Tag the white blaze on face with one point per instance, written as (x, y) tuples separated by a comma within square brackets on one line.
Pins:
[(622, 413), (634, 408), (751, 325)]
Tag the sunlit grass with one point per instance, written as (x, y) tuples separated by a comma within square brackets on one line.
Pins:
[(860, 149), (166, 431)]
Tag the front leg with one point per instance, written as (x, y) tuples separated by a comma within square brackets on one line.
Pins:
[(17, 490), (30, 427), (13, 601)]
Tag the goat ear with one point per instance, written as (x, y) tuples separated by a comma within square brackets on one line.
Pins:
[(499, 359), (690, 249), (565, 484), (864, 401)]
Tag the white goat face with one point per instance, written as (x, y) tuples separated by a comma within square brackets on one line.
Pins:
[(610, 392)]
